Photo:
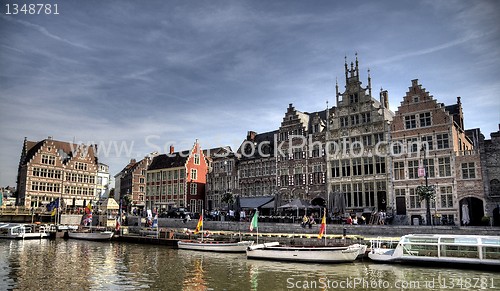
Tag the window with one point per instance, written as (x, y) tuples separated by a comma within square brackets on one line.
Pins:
[(380, 165), (356, 167), (366, 117), (446, 196), (368, 165), (412, 144), (344, 121), (335, 169), (48, 160), (427, 140), (429, 167), (468, 171), (410, 121), (494, 187), (413, 169), (397, 147), (358, 194), (400, 192), (315, 151), (354, 119), (196, 159), (353, 98), (369, 194), (193, 188), (194, 174), (346, 188), (442, 141), (425, 119), (346, 168), (399, 170), (367, 140), (444, 167), (414, 199), (378, 137)]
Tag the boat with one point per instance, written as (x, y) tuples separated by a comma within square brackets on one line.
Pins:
[(438, 248), (309, 254), (23, 231), (90, 234), (211, 245), (214, 246)]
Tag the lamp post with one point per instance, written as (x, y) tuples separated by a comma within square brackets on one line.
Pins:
[(428, 192)]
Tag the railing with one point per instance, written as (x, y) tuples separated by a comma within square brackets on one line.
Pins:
[(21, 210)]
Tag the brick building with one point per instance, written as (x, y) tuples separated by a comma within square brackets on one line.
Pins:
[(177, 179), (357, 135), (222, 176), (431, 136), (51, 169), (132, 183)]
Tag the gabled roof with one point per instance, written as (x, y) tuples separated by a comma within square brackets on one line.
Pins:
[(64, 149), (165, 161)]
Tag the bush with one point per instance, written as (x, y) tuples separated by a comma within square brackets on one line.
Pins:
[(485, 220)]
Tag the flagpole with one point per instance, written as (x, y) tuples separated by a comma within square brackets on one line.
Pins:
[(202, 221), (324, 214)]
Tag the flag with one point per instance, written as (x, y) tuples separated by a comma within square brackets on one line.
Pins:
[(52, 205), (155, 221), (53, 212), (323, 226), (199, 225), (88, 208), (117, 227), (255, 219)]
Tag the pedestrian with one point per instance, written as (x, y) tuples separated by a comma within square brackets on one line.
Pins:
[(305, 221)]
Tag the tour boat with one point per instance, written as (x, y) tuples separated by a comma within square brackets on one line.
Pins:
[(91, 235), (23, 231), (437, 248), (214, 246), (309, 254)]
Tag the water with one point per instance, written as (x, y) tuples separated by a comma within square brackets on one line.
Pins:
[(80, 265)]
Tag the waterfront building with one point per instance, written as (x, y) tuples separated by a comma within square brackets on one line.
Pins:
[(357, 136), (431, 136), (257, 170), (300, 159), (490, 162), (177, 179), (51, 169), (102, 183), (132, 184), (222, 177)]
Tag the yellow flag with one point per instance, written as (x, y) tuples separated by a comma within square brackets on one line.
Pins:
[(53, 213), (199, 225)]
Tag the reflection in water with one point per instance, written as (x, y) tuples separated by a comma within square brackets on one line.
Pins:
[(80, 265)]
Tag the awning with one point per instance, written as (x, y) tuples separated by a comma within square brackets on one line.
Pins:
[(255, 202), (268, 205)]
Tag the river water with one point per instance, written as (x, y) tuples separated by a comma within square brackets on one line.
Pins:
[(81, 265)]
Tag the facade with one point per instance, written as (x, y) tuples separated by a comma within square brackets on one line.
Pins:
[(300, 160), (177, 179), (431, 136), (102, 183), (51, 169), (222, 177), (357, 135), (132, 183), (490, 161)]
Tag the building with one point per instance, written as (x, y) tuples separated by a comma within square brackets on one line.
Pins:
[(301, 162), (490, 165), (222, 176), (177, 179), (102, 183), (51, 169), (356, 147), (431, 136), (130, 183)]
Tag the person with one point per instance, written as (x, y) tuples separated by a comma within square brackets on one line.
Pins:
[(349, 220), (305, 221), (187, 218), (355, 220), (311, 221), (363, 219)]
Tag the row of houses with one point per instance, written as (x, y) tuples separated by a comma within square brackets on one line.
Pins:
[(359, 149)]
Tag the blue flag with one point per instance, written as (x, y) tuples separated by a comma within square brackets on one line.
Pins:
[(52, 205)]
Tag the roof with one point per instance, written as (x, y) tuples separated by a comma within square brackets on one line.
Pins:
[(255, 202), (165, 161), (65, 149)]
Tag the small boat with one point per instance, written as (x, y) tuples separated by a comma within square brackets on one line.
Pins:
[(310, 254), (91, 235), (211, 245), (23, 231), (436, 248), (214, 246)]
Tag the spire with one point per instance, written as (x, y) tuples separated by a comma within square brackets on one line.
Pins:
[(357, 71), (336, 91), (369, 83), (345, 65)]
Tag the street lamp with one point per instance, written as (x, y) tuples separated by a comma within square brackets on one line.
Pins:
[(426, 192)]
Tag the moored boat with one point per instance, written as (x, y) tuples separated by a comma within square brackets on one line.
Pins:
[(91, 235), (214, 246), (436, 248), (310, 254), (23, 231)]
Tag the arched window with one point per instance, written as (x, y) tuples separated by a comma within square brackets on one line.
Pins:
[(494, 187)]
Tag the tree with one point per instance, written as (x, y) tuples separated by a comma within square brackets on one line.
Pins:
[(427, 193)]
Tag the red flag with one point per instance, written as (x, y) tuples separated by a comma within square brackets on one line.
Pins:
[(199, 225)]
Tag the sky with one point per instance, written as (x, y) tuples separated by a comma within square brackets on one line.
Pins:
[(142, 75)]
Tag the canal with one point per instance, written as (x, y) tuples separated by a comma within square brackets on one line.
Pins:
[(80, 265)]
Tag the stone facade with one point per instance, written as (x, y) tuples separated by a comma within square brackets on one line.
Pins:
[(357, 135), (51, 169), (133, 183), (490, 160), (222, 177)]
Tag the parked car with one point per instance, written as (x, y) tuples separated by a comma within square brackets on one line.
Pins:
[(178, 213)]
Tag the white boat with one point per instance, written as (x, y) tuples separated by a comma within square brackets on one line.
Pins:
[(436, 248), (310, 254), (23, 231), (214, 246), (91, 235)]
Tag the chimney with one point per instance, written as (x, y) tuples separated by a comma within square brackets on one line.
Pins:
[(171, 150), (132, 161), (251, 135)]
